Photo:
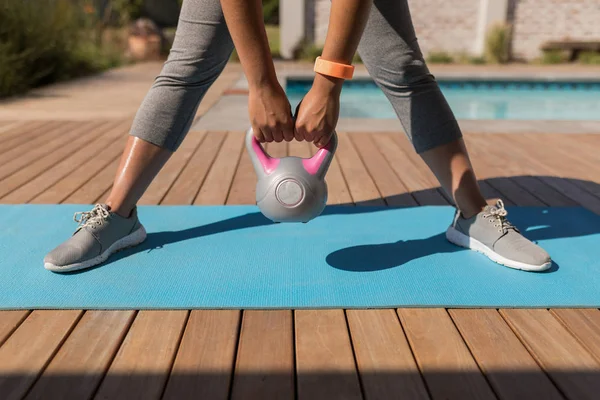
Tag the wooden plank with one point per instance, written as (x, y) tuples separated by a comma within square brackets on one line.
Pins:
[(416, 160), (550, 174), (29, 349), (519, 170), (31, 150), (16, 129), (206, 356), (337, 187), (385, 362), (172, 169), (24, 133), (265, 359), (94, 188), (509, 367), (443, 358), (414, 178), (569, 364), (142, 364), (218, 181), (80, 364), (584, 324), (393, 191), (579, 160), (101, 138), (76, 139), (88, 171), (338, 191), (243, 188), (188, 184), (300, 149), (362, 188), (6, 126), (324, 358), (490, 163), (277, 150), (9, 321)]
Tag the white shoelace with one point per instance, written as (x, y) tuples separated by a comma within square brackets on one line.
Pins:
[(95, 217), (498, 216)]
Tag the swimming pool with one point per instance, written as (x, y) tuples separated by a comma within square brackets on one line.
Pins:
[(476, 99)]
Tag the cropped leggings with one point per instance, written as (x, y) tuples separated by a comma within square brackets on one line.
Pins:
[(388, 48)]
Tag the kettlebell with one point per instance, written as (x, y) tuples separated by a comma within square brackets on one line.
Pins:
[(290, 189)]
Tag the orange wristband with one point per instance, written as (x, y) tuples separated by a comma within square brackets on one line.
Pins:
[(333, 69)]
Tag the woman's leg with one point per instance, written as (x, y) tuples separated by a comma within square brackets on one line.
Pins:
[(200, 51), (392, 56), (391, 53)]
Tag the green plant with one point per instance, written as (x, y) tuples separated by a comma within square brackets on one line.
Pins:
[(476, 60), (554, 57), (466, 58), (274, 40), (271, 11), (273, 37), (43, 41), (589, 57), (497, 44), (308, 51), (439, 57)]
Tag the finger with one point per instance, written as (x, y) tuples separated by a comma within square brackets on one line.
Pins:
[(267, 134), (288, 132), (300, 133), (323, 141), (258, 134), (317, 135), (309, 135), (277, 134)]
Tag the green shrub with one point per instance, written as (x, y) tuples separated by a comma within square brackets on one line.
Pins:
[(273, 37), (308, 51), (271, 11), (466, 58), (439, 57), (589, 57), (497, 44), (43, 41), (476, 60), (554, 57)]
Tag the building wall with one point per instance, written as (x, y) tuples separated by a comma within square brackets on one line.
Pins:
[(539, 21), (452, 25), (441, 25)]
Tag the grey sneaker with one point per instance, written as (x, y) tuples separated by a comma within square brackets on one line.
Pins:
[(100, 233), (490, 233)]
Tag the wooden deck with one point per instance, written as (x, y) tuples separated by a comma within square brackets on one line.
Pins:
[(304, 354)]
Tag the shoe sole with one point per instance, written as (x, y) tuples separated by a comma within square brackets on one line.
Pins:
[(133, 239), (462, 240)]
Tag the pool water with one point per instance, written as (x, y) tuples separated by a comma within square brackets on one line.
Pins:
[(488, 100)]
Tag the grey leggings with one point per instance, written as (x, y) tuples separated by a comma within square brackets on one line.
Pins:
[(388, 48)]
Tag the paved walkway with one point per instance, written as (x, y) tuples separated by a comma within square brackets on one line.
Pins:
[(113, 94)]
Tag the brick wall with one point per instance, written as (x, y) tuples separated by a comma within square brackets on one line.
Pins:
[(451, 25), (538, 21), (441, 25)]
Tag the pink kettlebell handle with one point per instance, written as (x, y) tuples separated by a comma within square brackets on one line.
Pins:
[(316, 165), (319, 163)]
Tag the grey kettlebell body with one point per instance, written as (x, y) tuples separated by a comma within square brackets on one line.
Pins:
[(290, 189)]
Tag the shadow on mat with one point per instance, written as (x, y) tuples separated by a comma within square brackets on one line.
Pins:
[(535, 223), (525, 384)]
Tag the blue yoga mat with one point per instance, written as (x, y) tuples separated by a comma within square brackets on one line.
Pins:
[(350, 257)]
